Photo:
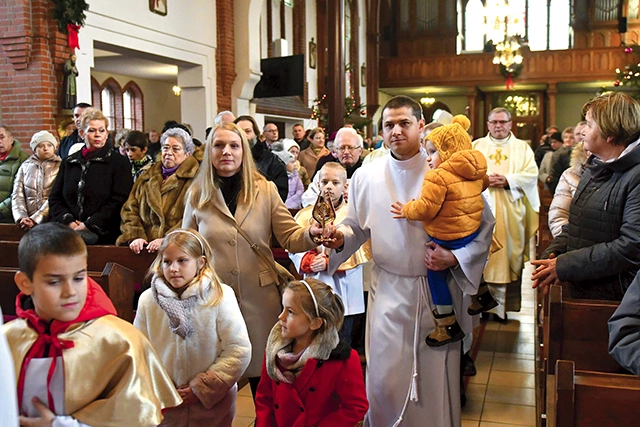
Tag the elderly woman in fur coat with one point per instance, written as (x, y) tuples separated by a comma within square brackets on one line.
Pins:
[(156, 203)]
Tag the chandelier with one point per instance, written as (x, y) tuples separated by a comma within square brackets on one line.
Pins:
[(505, 28)]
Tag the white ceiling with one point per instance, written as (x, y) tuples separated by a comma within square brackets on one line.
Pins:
[(116, 60)]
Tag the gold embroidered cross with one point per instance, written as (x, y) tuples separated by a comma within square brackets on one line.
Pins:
[(498, 157)]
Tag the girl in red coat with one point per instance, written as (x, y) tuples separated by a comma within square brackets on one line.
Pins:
[(309, 377)]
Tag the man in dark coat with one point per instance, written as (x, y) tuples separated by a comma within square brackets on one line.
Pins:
[(74, 138), (268, 163), (299, 136)]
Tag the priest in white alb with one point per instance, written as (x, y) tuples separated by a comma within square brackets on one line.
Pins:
[(408, 383), (513, 194)]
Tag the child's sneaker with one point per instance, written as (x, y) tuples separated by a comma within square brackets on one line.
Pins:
[(482, 301), (447, 330)]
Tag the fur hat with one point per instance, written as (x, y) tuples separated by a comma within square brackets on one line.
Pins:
[(452, 138), (42, 136), (288, 143), (277, 148), (285, 156)]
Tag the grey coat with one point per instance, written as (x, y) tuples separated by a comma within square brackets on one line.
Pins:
[(599, 250), (32, 186), (624, 330)]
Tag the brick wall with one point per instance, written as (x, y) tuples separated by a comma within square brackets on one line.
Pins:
[(32, 53), (225, 53)]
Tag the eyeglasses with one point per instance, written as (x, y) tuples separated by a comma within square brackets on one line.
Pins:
[(499, 122), (346, 148), (175, 149)]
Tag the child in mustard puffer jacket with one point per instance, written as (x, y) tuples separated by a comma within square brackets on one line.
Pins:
[(451, 208)]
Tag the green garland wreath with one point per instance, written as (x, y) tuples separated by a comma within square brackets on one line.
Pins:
[(513, 71), (69, 12)]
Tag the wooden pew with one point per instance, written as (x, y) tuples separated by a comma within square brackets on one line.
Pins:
[(571, 330), (578, 331), (116, 280), (98, 257), (544, 236), (591, 399), (10, 232)]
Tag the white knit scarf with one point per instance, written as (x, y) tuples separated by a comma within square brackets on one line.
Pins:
[(177, 309), (279, 348)]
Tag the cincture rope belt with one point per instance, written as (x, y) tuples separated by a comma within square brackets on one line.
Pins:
[(412, 394)]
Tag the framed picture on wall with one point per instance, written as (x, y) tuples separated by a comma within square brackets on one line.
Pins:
[(158, 6)]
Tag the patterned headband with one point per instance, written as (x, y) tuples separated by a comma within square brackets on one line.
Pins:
[(191, 233), (313, 297)]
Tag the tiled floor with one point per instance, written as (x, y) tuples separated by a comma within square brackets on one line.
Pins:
[(502, 393), (245, 412)]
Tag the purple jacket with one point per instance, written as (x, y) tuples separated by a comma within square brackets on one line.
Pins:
[(294, 199)]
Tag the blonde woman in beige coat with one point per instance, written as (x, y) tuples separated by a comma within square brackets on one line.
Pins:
[(229, 190)]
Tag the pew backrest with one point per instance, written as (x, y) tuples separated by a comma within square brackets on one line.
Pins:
[(577, 330), (98, 257), (116, 280), (593, 399)]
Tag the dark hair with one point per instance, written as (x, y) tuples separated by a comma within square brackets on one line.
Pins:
[(50, 238), (135, 138), (557, 136), (401, 101), (171, 124), (83, 105), (256, 129)]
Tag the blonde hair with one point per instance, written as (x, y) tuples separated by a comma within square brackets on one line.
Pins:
[(330, 306), (618, 116), (193, 244), (206, 182), (335, 166), (92, 114)]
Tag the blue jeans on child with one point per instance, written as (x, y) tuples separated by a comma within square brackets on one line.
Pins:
[(438, 279)]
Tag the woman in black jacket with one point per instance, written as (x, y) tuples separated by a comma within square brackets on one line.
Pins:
[(92, 185), (598, 252)]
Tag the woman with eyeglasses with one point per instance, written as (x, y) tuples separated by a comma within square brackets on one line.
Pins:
[(156, 203), (92, 184), (309, 156)]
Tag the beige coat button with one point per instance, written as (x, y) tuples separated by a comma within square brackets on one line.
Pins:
[(232, 242), (234, 271)]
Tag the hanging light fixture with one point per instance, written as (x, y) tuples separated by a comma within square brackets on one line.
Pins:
[(505, 29), (427, 101)]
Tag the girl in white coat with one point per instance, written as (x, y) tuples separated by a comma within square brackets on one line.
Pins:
[(194, 323)]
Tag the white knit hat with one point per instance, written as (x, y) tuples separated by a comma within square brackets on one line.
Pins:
[(288, 143), (42, 136)]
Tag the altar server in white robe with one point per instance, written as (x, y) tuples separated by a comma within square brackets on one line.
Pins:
[(408, 383)]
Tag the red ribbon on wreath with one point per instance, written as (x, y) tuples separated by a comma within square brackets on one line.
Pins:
[(72, 39), (509, 82)]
